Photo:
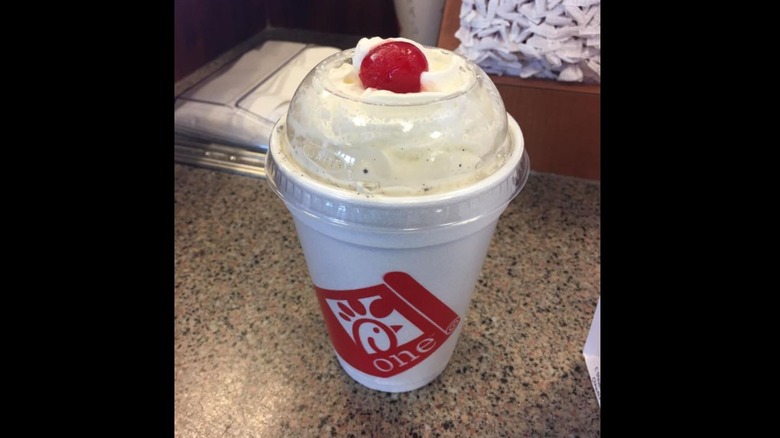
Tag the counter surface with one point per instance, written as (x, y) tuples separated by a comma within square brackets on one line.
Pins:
[(253, 358)]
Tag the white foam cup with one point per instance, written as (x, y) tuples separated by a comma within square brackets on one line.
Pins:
[(394, 275)]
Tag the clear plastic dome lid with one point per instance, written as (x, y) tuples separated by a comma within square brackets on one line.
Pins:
[(450, 135)]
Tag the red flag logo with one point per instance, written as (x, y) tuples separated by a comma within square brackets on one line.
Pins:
[(388, 328)]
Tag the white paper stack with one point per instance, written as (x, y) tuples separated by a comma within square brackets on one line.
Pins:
[(592, 352), (551, 39), (240, 104)]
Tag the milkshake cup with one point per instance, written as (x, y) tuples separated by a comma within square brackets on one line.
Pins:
[(395, 198)]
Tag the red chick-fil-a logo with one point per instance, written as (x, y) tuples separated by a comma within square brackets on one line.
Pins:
[(388, 328)]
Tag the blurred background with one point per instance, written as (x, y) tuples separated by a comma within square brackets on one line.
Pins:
[(561, 121), (203, 29)]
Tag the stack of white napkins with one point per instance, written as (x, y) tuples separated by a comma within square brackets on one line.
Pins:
[(240, 104), (550, 39)]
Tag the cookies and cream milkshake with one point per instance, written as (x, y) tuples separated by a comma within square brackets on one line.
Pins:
[(395, 161)]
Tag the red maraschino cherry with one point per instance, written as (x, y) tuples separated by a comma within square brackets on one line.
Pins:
[(394, 66)]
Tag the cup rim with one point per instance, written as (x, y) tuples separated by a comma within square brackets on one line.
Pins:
[(345, 207), (381, 200)]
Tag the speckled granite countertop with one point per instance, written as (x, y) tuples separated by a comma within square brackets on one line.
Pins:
[(253, 358)]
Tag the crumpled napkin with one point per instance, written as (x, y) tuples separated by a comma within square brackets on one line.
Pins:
[(241, 104)]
